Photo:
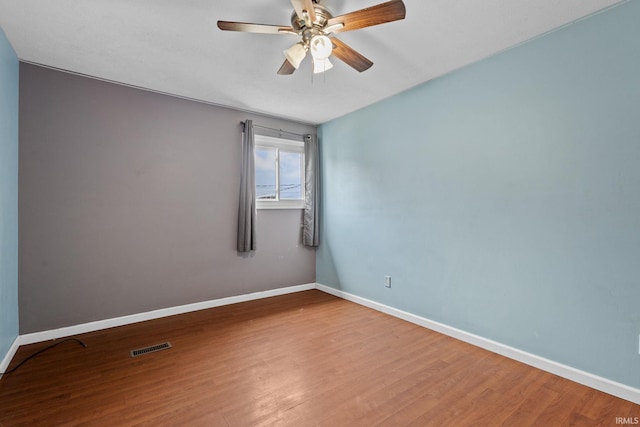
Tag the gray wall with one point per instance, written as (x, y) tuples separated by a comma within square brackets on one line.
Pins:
[(128, 203)]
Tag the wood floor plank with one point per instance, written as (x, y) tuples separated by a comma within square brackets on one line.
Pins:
[(300, 359)]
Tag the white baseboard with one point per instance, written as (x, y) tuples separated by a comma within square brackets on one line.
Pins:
[(4, 364), (155, 314), (599, 383), (585, 378)]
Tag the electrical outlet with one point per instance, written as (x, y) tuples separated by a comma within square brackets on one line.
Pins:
[(387, 281)]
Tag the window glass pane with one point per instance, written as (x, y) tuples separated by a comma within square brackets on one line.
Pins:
[(290, 176), (265, 174)]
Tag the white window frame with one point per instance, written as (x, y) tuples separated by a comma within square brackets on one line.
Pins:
[(288, 145)]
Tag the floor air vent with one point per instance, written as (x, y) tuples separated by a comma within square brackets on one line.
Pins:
[(150, 349)]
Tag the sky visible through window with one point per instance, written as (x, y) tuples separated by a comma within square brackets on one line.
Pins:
[(290, 174)]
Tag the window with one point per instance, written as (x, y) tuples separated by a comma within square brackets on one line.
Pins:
[(279, 173)]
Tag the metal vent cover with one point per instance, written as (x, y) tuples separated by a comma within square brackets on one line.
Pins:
[(150, 349)]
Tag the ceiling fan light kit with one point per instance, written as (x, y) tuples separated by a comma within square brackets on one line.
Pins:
[(316, 25), (321, 47), (295, 54)]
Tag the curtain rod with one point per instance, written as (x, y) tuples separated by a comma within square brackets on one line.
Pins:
[(275, 130)]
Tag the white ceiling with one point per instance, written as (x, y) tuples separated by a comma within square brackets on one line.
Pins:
[(174, 46)]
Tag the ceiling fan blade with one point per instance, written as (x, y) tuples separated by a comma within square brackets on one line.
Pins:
[(352, 58), (302, 6), (255, 28), (382, 13), (286, 68)]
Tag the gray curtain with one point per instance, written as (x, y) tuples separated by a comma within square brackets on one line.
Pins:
[(247, 206), (311, 232)]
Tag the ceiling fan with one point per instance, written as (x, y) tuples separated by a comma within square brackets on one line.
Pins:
[(315, 25)]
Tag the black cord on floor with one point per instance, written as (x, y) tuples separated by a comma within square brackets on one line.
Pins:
[(42, 351)]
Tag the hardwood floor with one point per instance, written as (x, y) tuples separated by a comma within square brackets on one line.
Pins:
[(298, 360)]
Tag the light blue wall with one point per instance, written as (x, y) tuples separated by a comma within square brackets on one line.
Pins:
[(8, 195), (504, 198)]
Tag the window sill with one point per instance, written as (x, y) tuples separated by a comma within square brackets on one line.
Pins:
[(294, 204)]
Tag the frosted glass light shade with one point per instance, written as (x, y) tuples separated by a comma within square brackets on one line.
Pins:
[(321, 65), (295, 54), (320, 47)]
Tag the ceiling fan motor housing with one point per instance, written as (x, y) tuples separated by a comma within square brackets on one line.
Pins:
[(322, 15)]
